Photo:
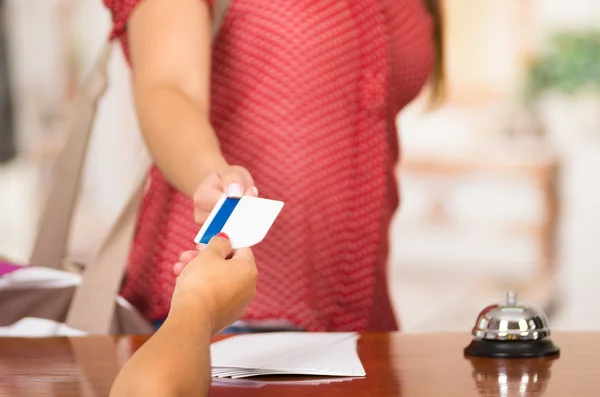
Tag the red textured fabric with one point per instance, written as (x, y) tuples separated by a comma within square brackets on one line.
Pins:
[(304, 95)]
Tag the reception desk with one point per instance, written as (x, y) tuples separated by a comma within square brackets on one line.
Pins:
[(406, 365)]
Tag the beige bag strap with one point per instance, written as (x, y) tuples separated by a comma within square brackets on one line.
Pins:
[(219, 11), (50, 243), (93, 305)]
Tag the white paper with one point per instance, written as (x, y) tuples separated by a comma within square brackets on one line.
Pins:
[(38, 276), (261, 383), (336, 360), (42, 278), (31, 327), (287, 353)]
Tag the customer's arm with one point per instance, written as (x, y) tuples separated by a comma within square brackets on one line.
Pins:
[(211, 293)]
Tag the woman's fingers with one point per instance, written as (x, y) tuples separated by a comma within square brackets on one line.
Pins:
[(252, 192), (204, 202), (236, 181)]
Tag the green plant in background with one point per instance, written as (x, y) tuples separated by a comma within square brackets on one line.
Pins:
[(569, 63)]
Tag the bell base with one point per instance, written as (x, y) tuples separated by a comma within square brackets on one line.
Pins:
[(512, 349)]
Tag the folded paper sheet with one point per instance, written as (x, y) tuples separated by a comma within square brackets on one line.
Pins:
[(287, 353)]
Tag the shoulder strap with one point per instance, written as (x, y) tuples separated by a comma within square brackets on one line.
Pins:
[(93, 305), (50, 243), (219, 11)]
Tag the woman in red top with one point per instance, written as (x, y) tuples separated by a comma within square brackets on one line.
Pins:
[(296, 100)]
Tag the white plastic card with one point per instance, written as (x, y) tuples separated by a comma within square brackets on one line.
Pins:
[(246, 220)]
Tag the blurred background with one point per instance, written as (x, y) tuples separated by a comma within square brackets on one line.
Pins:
[(500, 183)]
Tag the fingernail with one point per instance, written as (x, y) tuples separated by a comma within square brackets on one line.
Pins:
[(255, 190), (179, 256), (234, 190), (224, 235)]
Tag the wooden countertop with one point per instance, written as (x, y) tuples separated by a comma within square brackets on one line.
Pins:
[(407, 365)]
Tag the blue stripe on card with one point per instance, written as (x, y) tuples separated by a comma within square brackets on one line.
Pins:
[(220, 219)]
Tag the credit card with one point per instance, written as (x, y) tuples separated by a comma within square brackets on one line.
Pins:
[(245, 220)]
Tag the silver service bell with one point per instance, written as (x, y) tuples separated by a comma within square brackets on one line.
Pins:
[(511, 331)]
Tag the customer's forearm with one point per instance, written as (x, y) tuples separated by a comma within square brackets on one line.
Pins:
[(174, 362), (179, 136)]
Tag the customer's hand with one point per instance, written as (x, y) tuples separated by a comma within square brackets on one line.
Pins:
[(217, 284), (233, 180)]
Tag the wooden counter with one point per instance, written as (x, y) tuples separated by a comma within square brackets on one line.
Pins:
[(396, 365)]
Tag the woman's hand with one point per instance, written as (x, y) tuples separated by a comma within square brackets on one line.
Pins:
[(233, 180), (217, 284)]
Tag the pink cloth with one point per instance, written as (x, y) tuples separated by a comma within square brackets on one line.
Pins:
[(304, 95), (6, 268)]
